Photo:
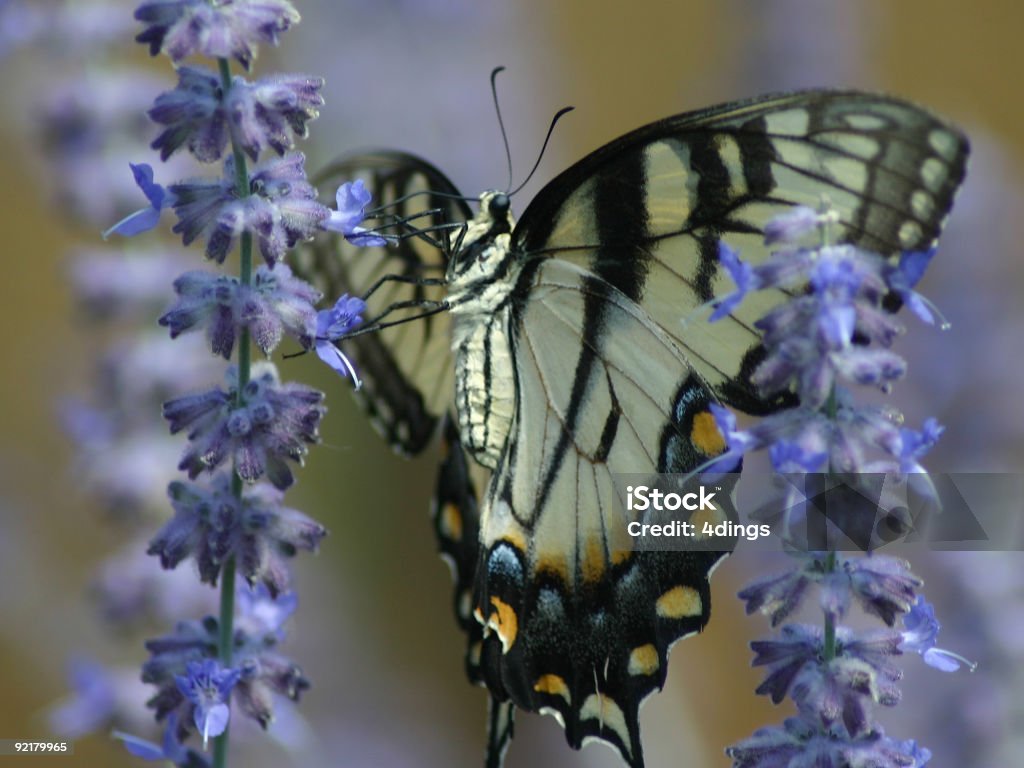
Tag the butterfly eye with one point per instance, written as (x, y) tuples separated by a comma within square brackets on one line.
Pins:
[(499, 206)]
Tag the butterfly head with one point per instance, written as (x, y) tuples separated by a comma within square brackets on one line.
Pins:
[(485, 246)]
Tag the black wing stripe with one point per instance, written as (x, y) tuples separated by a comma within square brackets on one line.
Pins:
[(618, 203), (757, 153), (621, 216)]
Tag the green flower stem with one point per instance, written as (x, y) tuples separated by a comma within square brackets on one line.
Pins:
[(245, 254), (227, 583)]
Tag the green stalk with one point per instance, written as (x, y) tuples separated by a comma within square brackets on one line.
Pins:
[(227, 583)]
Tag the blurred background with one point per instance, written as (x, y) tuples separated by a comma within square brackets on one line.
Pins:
[(374, 630)]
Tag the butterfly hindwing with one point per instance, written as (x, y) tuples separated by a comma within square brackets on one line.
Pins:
[(583, 620), (407, 370)]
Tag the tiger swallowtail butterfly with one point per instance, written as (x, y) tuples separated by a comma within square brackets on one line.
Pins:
[(563, 358)]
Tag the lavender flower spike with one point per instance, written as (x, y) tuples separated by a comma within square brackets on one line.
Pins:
[(352, 198), (145, 219)]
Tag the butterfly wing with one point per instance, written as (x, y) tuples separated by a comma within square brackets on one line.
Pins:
[(583, 621), (616, 253), (407, 369), (646, 212)]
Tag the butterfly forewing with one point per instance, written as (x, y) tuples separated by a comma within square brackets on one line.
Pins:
[(406, 369), (646, 212)]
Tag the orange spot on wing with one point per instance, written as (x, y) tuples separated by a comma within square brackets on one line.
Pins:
[(705, 435), (552, 685), (643, 660), (451, 522), (504, 621), (679, 602)]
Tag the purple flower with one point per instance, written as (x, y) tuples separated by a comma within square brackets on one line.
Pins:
[(791, 226), (788, 456), (351, 199), (273, 422), (264, 672), (262, 613), (809, 338), (801, 743), (779, 595), (906, 275), (844, 688), (874, 367), (207, 299), (145, 219), (884, 586), (917, 444), (276, 302), (920, 634), (841, 688), (280, 210), (193, 114), (267, 113), (263, 676), (212, 525), (331, 325), (797, 646), (169, 750), (181, 28), (272, 111), (742, 274), (207, 687)]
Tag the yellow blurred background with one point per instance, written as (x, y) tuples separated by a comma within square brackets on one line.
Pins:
[(374, 630)]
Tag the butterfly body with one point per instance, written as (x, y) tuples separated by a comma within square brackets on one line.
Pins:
[(568, 356), (480, 281)]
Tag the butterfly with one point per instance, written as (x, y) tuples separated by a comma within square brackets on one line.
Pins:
[(550, 354)]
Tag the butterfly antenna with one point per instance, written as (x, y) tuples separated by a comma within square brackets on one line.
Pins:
[(544, 146), (501, 123)]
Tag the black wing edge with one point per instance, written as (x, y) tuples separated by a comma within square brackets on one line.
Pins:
[(536, 219)]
